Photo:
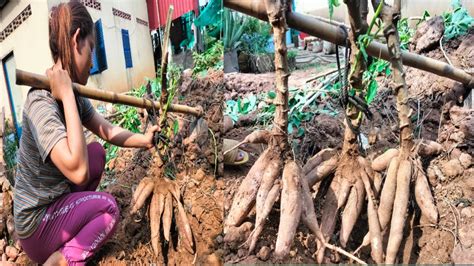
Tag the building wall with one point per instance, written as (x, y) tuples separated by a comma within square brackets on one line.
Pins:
[(29, 43)]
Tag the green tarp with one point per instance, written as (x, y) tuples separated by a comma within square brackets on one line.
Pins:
[(210, 15)]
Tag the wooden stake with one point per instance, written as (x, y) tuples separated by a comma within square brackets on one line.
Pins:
[(42, 82)]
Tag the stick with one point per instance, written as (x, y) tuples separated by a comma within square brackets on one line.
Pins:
[(442, 50), (325, 73), (42, 82), (345, 253), (164, 68)]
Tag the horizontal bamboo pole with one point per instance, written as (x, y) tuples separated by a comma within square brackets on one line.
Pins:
[(42, 82), (335, 34)]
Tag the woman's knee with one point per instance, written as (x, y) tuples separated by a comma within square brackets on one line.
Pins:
[(96, 150), (111, 206)]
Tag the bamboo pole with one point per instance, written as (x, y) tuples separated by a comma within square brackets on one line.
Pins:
[(42, 82), (335, 34)]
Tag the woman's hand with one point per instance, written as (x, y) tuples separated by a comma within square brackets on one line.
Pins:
[(149, 136), (59, 80)]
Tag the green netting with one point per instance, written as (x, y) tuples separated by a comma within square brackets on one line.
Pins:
[(188, 21), (210, 15)]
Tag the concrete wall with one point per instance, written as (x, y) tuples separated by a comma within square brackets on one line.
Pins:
[(30, 47), (29, 44)]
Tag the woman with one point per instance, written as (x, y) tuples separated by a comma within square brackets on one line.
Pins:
[(59, 217)]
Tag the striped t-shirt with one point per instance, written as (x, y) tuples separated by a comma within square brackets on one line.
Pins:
[(38, 181)]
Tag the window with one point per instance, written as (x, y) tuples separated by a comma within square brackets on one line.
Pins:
[(127, 52), (99, 57)]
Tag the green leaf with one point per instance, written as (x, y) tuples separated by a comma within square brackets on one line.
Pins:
[(175, 127), (271, 94), (300, 132), (332, 4), (426, 14), (290, 127), (371, 91)]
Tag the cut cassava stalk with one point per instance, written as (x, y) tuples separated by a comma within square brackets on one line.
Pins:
[(42, 82), (164, 61)]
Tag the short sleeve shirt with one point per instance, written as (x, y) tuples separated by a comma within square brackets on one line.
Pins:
[(38, 181)]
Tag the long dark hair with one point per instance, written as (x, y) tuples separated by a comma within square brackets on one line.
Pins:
[(64, 20)]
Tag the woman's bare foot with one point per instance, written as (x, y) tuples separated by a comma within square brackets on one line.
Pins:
[(56, 259)]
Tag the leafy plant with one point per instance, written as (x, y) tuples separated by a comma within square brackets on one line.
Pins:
[(332, 5), (235, 24), (405, 33), (211, 58), (235, 109), (292, 54), (128, 117), (256, 36), (302, 108), (457, 22)]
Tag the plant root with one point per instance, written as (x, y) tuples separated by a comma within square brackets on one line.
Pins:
[(141, 194), (266, 196), (291, 208), (156, 209), (244, 200), (320, 166), (400, 206), (423, 195), (348, 192), (165, 196)]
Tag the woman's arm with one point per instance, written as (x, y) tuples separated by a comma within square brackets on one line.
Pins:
[(69, 154), (117, 135)]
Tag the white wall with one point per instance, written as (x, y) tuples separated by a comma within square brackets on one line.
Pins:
[(118, 78), (29, 44)]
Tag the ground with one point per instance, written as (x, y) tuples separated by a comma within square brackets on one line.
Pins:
[(431, 97), (197, 176)]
